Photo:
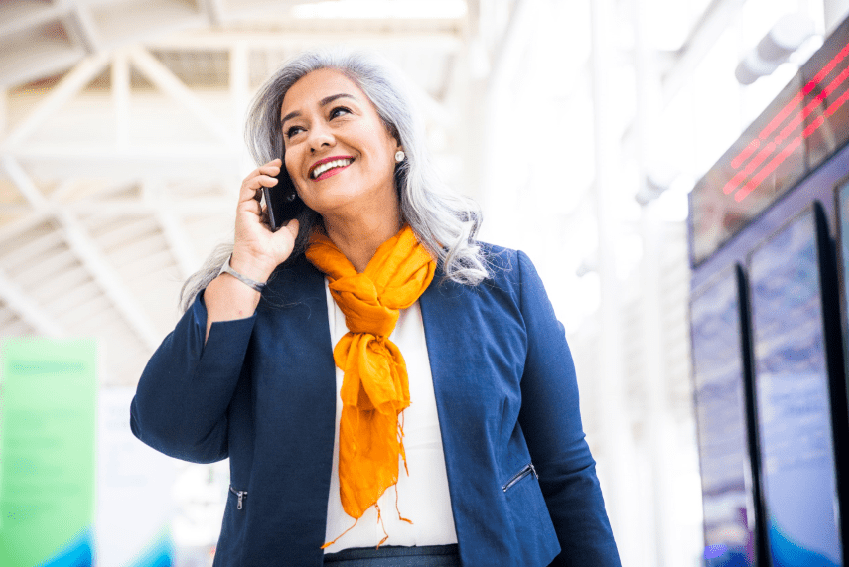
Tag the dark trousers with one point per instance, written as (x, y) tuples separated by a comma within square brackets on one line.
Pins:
[(396, 556)]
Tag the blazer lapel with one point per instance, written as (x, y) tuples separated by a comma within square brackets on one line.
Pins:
[(470, 332)]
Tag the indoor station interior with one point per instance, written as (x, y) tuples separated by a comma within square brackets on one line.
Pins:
[(678, 171)]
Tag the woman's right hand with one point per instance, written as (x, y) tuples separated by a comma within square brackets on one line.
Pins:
[(257, 251)]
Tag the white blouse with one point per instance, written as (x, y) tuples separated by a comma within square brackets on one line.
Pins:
[(423, 495)]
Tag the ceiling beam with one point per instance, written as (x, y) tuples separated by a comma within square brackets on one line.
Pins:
[(713, 22), (18, 301), (28, 15), (170, 84), (24, 183), (239, 81), (214, 11), (64, 190), (71, 84), (4, 111), (159, 153), (107, 278), (85, 249), (178, 241), (81, 24), (436, 42), (15, 228), (512, 44), (209, 163), (124, 207), (121, 98)]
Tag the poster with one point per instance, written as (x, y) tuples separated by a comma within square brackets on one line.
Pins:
[(47, 451)]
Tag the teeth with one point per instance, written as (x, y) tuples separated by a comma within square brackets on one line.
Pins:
[(330, 165)]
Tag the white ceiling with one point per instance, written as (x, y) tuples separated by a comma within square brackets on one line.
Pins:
[(122, 148)]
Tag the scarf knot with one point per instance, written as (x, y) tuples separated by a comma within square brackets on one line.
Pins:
[(375, 388), (358, 299)]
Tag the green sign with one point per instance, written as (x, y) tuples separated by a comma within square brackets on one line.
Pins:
[(47, 449)]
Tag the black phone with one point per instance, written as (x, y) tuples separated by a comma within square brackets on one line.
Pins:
[(281, 201)]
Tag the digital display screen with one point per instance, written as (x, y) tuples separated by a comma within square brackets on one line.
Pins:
[(792, 397), (763, 164), (726, 471), (843, 223), (807, 122)]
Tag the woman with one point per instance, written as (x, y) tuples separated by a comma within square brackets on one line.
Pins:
[(373, 332)]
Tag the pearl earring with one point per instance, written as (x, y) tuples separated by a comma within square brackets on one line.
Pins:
[(399, 156)]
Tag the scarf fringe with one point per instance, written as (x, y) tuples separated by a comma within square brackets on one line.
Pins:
[(329, 543), (382, 527), (379, 519), (400, 517)]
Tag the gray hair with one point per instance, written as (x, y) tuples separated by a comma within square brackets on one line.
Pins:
[(445, 222)]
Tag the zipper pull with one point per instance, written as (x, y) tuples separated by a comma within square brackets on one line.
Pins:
[(240, 496), (533, 470)]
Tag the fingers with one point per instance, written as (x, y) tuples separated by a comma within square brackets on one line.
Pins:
[(251, 206), (254, 242), (270, 169), (252, 187), (284, 239), (293, 226), (263, 176)]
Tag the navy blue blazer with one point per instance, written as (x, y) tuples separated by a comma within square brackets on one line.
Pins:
[(262, 391)]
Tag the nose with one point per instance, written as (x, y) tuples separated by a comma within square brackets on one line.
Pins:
[(321, 136)]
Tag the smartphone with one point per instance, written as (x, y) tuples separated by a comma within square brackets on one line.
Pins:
[(281, 201)]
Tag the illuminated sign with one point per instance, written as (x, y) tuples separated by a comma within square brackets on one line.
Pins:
[(805, 124)]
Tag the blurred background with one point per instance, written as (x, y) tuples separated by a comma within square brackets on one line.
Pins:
[(580, 126)]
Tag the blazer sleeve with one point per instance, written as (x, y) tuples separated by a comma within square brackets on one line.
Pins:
[(551, 422), (180, 406)]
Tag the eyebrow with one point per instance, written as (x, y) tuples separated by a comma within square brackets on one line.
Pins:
[(323, 102)]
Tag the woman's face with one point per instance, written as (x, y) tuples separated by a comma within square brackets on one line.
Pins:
[(339, 154)]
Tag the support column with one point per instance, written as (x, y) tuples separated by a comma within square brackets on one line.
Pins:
[(659, 421), (240, 82), (120, 80), (240, 96), (617, 438), (500, 200), (4, 112), (834, 12)]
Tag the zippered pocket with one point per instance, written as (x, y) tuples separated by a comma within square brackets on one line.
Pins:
[(240, 497), (528, 469)]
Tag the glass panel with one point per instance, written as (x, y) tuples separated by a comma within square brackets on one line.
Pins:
[(793, 404), (718, 370), (843, 244)]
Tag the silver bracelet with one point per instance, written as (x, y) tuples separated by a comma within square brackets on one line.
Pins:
[(253, 284)]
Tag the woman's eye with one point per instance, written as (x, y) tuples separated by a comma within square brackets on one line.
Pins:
[(339, 111), (293, 131)]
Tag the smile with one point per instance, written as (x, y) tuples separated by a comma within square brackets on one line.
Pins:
[(330, 167)]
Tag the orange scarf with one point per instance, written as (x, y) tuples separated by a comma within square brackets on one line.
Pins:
[(375, 389)]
